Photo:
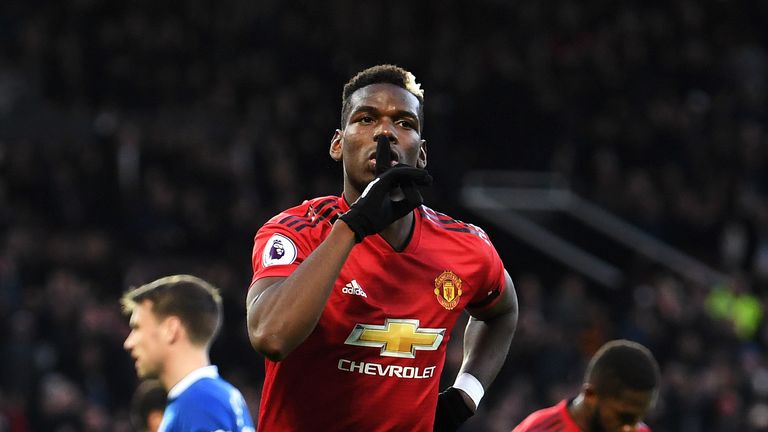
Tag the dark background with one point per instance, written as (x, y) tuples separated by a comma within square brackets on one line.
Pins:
[(141, 138)]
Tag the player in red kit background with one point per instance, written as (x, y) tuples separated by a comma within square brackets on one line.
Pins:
[(353, 297), (619, 389)]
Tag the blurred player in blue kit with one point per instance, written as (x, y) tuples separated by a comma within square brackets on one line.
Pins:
[(173, 322)]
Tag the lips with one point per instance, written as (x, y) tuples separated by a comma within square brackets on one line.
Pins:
[(392, 155)]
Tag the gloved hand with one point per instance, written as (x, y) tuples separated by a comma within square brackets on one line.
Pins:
[(375, 209), (451, 411), (383, 155)]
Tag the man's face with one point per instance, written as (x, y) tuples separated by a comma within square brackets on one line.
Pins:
[(375, 110), (623, 413), (145, 342)]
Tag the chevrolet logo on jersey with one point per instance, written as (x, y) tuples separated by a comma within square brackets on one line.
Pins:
[(397, 337)]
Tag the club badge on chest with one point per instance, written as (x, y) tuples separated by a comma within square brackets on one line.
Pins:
[(448, 289)]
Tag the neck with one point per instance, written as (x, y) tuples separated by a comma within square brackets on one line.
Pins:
[(580, 412), (399, 232), (181, 364)]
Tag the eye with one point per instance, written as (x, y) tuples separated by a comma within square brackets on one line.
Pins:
[(365, 120), (405, 124)]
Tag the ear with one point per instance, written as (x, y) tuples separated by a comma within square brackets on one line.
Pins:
[(172, 330), (336, 145), (590, 395), (421, 162)]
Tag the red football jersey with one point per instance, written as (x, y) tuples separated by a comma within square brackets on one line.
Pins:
[(373, 361), (556, 419)]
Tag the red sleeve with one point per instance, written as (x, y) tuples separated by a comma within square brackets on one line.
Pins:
[(493, 271), (288, 238), (277, 251)]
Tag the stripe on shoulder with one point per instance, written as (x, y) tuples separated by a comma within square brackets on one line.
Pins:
[(450, 224), (316, 213), (550, 422), (553, 423)]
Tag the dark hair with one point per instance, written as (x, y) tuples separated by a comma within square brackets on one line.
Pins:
[(622, 365), (194, 301), (149, 396), (382, 74)]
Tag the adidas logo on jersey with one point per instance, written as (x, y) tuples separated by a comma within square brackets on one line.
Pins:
[(354, 288)]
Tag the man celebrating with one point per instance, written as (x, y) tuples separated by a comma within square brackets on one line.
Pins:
[(173, 322), (354, 314), (619, 388)]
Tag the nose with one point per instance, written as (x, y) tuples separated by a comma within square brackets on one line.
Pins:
[(385, 128), (128, 343)]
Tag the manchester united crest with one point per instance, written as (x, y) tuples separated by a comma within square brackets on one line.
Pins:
[(448, 289)]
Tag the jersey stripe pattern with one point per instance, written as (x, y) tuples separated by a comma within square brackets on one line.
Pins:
[(325, 210)]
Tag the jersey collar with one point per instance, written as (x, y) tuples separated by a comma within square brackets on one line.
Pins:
[(204, 372), (379, 243)]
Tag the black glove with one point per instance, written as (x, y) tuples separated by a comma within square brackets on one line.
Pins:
[(383, 155), (375, 209), (451, 411)]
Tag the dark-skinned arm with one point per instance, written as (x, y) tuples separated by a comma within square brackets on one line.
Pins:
[(283, 311), (487, 338)]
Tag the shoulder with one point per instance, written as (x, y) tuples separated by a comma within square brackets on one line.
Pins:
[(309, 213), (453, 234), (552, 415), (312, 210), (448, 225), (305, 223), (208, 401), (206, 392)]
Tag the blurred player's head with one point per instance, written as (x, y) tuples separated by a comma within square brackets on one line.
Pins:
[(381, 74), (147, 406), (171, 312), (620, 386)]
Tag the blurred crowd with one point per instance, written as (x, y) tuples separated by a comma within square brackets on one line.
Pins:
[(140, 138)]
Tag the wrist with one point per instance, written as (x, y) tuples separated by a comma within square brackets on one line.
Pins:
[(454, 408), (342, 229), (468, 401), (471, 389)]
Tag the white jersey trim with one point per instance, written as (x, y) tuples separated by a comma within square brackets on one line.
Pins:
[(191, 378)]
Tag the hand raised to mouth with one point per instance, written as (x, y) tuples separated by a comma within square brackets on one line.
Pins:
[(377, 207)]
